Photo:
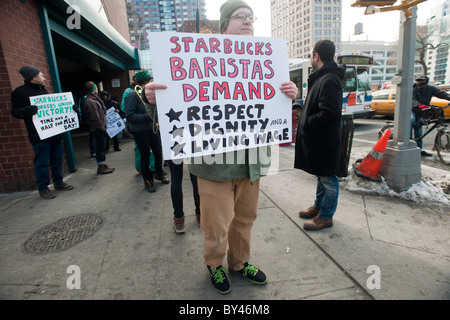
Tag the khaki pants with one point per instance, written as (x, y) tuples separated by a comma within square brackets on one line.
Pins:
[(228, 210)]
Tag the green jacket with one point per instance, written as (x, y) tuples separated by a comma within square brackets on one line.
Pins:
[(246, 164)]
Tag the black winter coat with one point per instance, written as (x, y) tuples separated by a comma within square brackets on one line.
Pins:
[(423, 95), (22, 109), (137, 116), (318, 142)]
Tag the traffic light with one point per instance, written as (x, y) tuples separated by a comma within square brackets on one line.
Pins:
[(367, 3)]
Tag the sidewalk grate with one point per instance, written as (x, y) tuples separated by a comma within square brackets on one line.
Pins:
[(63, 234)]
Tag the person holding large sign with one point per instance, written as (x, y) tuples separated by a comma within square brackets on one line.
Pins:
[(48, 152), (228, 190)]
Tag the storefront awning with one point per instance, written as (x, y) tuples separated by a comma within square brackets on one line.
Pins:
[(93, 33)]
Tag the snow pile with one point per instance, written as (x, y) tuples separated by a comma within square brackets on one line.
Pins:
[(426, 191)]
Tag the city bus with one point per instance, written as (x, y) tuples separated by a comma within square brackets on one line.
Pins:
[(357, 93)]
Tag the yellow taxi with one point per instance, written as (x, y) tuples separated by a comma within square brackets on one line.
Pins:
[(442, 103), (383, 102)]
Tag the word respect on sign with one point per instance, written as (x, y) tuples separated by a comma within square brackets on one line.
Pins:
[(223, 93)]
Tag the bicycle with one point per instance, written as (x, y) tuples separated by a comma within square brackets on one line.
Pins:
[(433, 116)]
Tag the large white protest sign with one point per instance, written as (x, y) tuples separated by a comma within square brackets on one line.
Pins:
[(223, 92), (55, 114), (115, 122)]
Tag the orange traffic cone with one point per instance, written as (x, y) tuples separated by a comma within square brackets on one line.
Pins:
[(370, 165)]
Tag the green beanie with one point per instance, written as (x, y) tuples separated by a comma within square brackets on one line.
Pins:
[(227, 9), (142, 76)]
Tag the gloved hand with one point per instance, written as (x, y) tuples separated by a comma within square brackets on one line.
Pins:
[(29, 111)]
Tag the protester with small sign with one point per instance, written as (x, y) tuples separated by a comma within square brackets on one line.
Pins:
[(110, 103), (48, 152), (96, 113)]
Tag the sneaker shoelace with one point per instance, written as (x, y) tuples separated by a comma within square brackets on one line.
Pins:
[(218, 275), (250, 269)]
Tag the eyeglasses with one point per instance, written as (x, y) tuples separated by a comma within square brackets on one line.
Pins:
[(242, 16)]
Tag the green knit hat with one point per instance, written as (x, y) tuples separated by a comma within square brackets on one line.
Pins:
[(227, 9), (142, 76)]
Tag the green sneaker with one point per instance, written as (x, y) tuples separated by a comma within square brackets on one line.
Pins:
[(219, 279), (252, 274)]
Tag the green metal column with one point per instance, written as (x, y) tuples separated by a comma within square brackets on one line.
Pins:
[(46, 32)]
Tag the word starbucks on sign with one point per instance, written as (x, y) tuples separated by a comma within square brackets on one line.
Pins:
[(218, 45)]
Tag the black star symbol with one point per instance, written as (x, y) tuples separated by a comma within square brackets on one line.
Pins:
[(174, 115), (178, 148), (177, 132)]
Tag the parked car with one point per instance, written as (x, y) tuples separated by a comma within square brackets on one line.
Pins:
[(383, 102)]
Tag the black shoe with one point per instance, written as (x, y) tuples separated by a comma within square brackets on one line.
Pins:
[(149, 186), (162, 178), (425, 154), (219, 279), (64, 187), (47, 194), (104, 169), (252, 274), (117, 149)]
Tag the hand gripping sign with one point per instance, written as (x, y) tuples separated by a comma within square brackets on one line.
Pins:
[(223, 93), (55, 114)]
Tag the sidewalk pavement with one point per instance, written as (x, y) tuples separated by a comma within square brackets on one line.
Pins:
[(124, 247)]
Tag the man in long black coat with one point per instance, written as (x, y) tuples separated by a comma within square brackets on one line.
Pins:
[(318, 142)]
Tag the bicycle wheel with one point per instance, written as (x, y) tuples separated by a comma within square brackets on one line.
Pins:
[(442, 144)]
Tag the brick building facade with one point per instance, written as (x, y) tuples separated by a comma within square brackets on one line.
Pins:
[(34, 32)]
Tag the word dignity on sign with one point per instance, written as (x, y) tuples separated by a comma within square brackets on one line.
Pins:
[(223, 93), (55, 114)]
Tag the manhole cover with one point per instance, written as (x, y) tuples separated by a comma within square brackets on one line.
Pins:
[(63, 234)]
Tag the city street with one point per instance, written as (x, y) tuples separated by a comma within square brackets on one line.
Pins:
[(366, 134), (225, 67), (380, 246)]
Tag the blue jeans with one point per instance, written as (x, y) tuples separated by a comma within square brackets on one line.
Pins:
[(327, 194), (91, 139), (100, 145), (417, 129), (48, 154)]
